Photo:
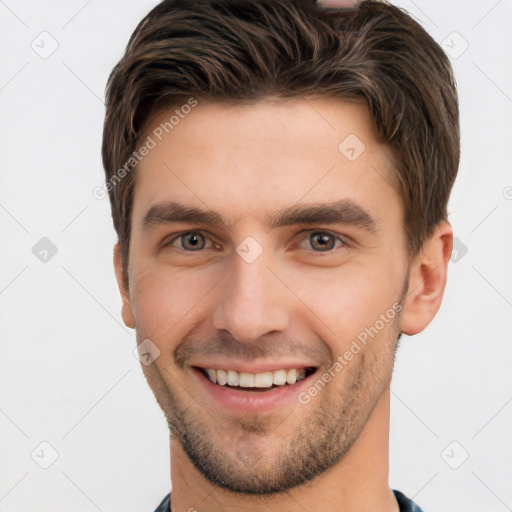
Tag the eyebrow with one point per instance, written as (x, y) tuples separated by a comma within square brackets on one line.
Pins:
[(344, 211)]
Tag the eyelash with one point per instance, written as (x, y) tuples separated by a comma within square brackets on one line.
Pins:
[(343, 242)]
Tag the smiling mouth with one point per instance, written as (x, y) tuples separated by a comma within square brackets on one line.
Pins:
[(262, 381)]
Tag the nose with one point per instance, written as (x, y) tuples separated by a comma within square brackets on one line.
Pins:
[(253, 301)]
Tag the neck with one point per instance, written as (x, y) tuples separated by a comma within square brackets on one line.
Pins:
[(358, 482)]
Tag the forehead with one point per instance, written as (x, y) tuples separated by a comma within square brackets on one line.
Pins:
[(244, 159)]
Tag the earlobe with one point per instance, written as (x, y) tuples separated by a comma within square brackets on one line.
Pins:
[(126, 311), (427, 280)]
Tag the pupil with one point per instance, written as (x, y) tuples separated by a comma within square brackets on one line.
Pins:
[(323, 241), (192, 241)]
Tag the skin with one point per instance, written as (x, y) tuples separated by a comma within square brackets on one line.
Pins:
[(297, 301)]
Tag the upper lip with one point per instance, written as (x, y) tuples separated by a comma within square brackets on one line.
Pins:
[(252, 367)]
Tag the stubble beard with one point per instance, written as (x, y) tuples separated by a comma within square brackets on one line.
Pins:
[(232, 457)]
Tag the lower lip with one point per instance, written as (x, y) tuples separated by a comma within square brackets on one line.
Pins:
[(253, 401)]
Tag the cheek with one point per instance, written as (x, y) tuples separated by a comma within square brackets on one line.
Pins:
[(164, 302), (349, 300)]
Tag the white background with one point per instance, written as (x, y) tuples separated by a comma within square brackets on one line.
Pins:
[(68, 376)]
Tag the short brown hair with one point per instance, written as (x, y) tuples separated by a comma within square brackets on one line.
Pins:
[(247, 50)]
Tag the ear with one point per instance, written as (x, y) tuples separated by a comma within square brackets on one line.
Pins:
[(427, 280), (126, 311)]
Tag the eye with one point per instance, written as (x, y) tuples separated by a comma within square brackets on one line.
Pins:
[(323, 241), (190, 241)]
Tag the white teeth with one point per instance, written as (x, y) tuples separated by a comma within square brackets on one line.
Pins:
[(222, 377), (256, 380), (212, 375), (291, 376), (280, 377), (263, 380), (246, 380), (232, 378)]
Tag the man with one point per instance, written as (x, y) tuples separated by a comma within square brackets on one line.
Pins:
[(279, 175)]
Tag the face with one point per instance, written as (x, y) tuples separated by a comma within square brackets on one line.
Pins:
[(267, 264)]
